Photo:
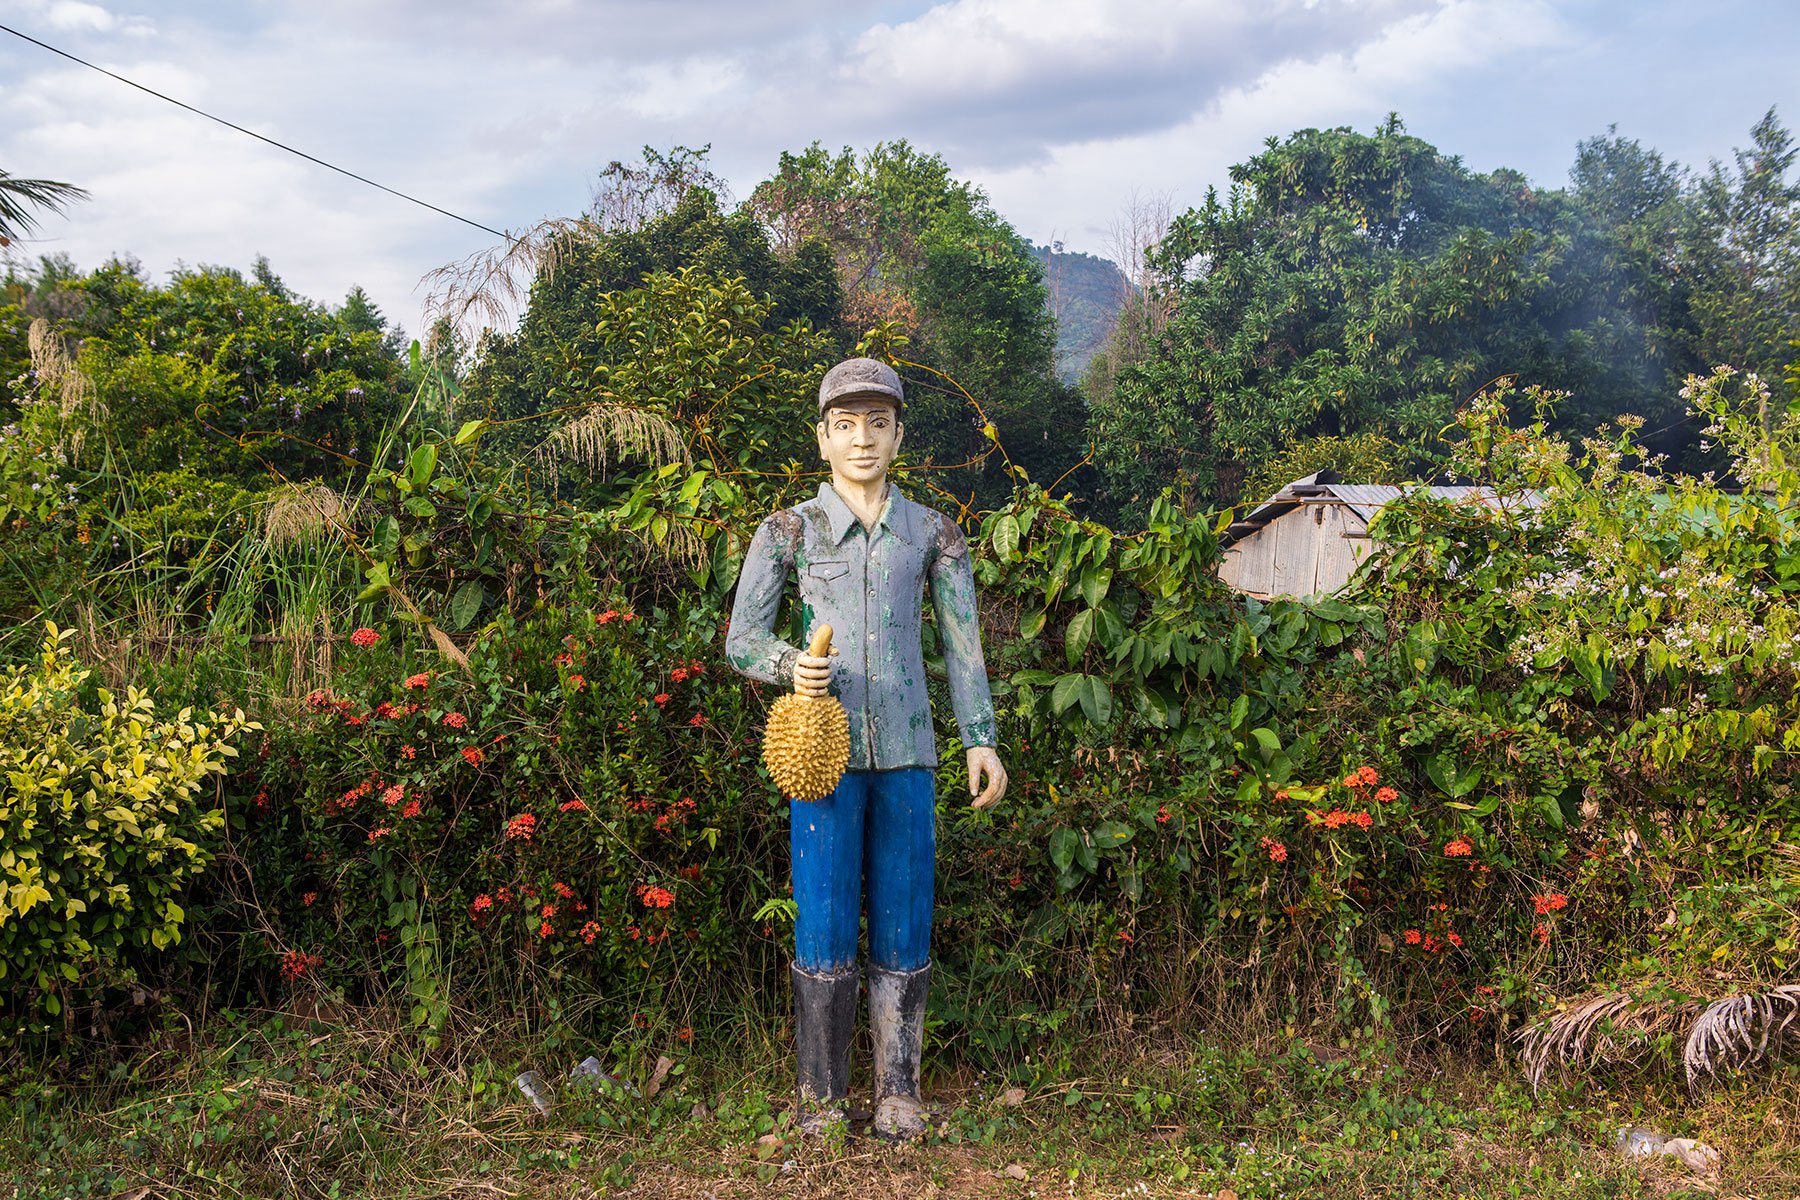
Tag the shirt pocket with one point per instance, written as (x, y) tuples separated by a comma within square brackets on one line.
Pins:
[(827, 570)]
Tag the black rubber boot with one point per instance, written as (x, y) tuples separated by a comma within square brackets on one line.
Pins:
[(824, 1016), (897, 1023)]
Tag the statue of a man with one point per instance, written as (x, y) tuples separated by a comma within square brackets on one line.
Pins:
[(864, 556)]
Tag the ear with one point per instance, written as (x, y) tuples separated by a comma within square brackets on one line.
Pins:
[(819, 432), (899, 434)]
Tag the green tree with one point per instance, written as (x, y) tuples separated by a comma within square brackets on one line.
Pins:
[(1354, 283), (1741, 257), (550, 362), (924, 254)]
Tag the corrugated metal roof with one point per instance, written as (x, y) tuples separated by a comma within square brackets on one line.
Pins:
[(1364, 499)]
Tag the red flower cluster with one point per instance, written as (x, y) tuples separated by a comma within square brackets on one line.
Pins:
[(393, 795), (572, 806), (408, 753), (365, 637), (296, 963), (456, 720), (1362, 777), (578, 682), (1337, 818), (656, 897), (1162, 816), (380, 831), (1412, 937), (1458, 847), (309, 899), (613, 614), (562, 889), (473, 755), (1546, 904), (1275, 850), (410, 811), (589, 931), (421, 680), (482, 903), (697, 719), (677, 814), (521, 827), (661, 698), (1387, 795)]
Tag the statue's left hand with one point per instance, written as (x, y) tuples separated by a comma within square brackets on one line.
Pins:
[(987, 778)]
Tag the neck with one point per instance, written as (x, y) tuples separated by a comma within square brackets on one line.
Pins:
[(863, 499)]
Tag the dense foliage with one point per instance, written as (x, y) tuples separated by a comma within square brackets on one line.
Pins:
[(1535, 747), (1353, 284), (105, 827)]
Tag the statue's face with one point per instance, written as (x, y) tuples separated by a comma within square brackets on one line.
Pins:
[(859, 438)]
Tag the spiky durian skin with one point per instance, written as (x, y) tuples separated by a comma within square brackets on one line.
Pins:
[(806, 746)]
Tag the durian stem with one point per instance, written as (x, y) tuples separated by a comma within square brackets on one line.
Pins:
[(820, 647)]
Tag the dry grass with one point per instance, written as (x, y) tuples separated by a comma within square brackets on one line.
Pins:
[(613, 431), (303, 512)]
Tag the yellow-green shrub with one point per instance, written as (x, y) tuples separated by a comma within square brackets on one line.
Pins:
[(101, 825)]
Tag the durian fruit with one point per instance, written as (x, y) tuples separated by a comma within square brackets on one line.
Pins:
[(807, 744)]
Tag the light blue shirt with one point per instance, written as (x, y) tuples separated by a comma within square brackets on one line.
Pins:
[(870, 588)]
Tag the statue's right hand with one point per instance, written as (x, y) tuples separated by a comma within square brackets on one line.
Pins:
[(812, 674)]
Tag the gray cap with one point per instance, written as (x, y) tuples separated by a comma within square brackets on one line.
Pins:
[(859, 379)]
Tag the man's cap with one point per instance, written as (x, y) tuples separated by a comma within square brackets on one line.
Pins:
[(859, 379)]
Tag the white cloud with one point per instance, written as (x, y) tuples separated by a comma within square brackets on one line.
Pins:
[(1060, 108)]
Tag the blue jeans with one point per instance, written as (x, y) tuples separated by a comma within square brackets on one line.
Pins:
[(878, 825)]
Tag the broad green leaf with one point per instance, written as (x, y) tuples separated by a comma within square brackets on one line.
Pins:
[(1078, 635), (1096, 699), (465, 605), (1006, 537), (1453, 778), (1110, 835)]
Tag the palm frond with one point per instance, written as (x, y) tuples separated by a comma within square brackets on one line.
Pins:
[(19, 196), (1739, 1031)]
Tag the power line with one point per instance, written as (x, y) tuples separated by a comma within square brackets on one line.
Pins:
[(259, 137)]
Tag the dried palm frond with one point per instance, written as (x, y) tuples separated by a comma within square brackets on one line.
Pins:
[(609, 431), (489, 288), (302, 512), (1739, 1031), (1608, 1027)]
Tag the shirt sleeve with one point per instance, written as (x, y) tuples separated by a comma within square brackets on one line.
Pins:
[(959, 633), (750, 641)]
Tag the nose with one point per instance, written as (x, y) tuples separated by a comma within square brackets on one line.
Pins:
[(862, 435)]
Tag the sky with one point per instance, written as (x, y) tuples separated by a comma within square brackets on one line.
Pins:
[(1063, 111)]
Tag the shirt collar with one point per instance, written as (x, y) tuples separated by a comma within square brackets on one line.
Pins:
[(896, 514)]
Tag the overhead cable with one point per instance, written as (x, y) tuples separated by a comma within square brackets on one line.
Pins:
[(259, 137)]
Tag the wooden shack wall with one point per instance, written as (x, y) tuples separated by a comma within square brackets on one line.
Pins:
[(1308, 551)]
